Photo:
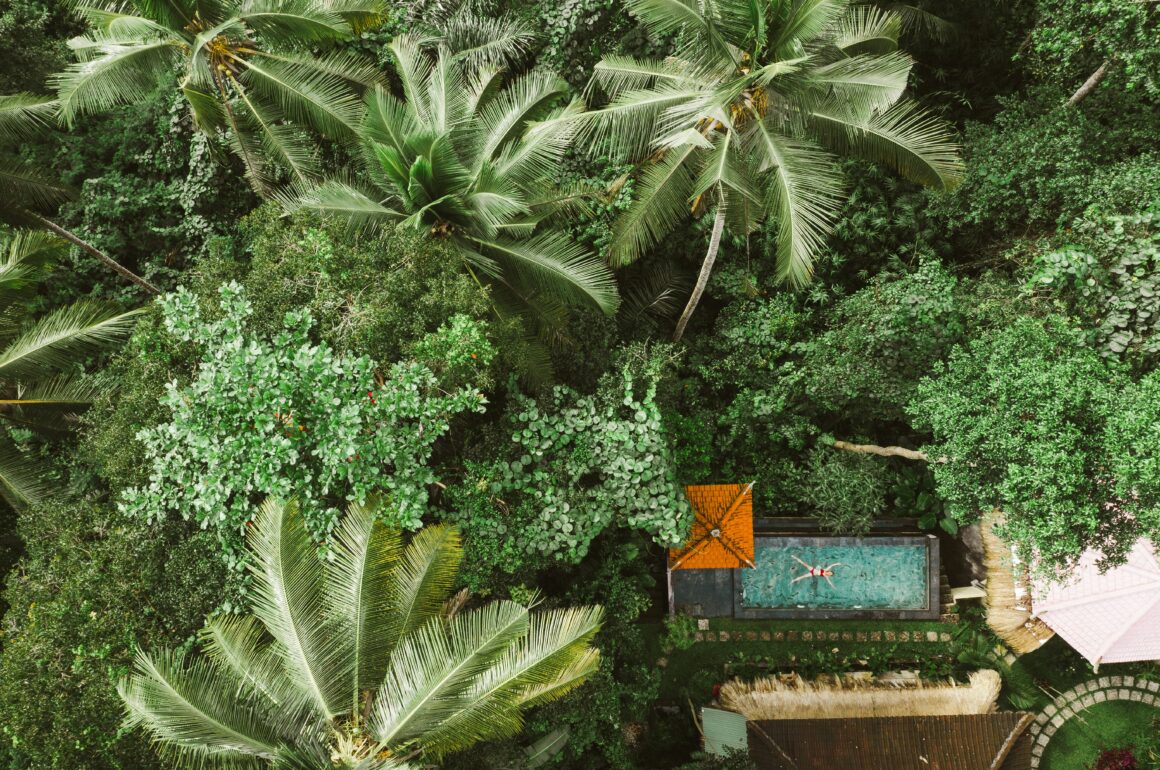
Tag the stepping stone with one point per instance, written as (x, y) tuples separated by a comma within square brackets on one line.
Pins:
[(1050, 710), (724, 636), (1050, 729), (1136, 696), (1105, 683), (904, 636), (891, 636), (932, 636), (1041, 719), (835, 636), (1038, 750), (847, 636), (794, 636), (943, 636), (699, 637), (751, 636), (1042, 739), (1125, 694), (860, 636), (702, 624), (1056, 722), (1129, 681), (1117, 681), (807, 636), (1101, 696), (876, 636), (1154, 686), (765, 637)]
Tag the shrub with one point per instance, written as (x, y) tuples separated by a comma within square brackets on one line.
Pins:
[(846, 491), (577, 465), (91, 587), (287, 417), (1116, 759)]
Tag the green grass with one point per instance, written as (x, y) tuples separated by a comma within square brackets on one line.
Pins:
[(1113, 724)]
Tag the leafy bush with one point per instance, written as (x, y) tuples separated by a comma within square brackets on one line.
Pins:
[(846, 491), (579, 464), (92, 586), (679, 632), (1021, 415), (1040, 165), (286, 417), (1108, 275), (881, 340)]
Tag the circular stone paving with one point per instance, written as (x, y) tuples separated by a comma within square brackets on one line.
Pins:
[(1080, 697)]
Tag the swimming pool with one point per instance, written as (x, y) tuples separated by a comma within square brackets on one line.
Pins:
[(872, 576), (866, 575)]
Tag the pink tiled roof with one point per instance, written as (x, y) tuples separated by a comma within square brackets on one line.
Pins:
[(1112, 617)]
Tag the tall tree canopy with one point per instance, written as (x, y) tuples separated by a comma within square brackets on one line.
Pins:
[(746, 118)]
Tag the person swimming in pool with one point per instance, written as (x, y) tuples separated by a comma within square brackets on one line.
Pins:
[(811, 571)]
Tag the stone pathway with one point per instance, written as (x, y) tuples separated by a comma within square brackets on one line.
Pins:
[(1080, 697)]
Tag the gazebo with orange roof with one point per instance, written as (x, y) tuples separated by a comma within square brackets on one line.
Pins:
[(722, 536)]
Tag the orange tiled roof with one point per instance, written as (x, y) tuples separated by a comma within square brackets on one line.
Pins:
[(722, 536)]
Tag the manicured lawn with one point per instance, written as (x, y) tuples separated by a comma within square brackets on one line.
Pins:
[(1114, 724)]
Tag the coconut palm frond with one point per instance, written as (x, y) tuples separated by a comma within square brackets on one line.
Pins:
[(804, 20), (505, 118), (24, 190), (56, 340), (866, 83), (24, 254), (111, 73), (660, 202), (906, 137), (867, 29), (482, 41), (924, 24), (805, 191), (305, 94), (64, 391), (25, 115), (339, 199)]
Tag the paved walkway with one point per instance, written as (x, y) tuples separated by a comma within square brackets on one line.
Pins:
[(1080, 697)]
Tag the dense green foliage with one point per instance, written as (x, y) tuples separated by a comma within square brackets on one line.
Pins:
[(515, 158), (283, 416)]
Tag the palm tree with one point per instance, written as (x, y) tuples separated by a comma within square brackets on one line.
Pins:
[(40, 382), (454, 158), (26, 194), (743, 118), (363, 661), (245, 67)]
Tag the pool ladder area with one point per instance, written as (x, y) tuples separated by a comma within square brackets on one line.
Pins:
[(947, 609)]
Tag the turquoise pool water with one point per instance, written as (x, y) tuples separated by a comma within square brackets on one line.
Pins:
[(868, 576)]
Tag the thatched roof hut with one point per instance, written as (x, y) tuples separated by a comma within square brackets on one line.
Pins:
[(853, 696), (1009, 611)]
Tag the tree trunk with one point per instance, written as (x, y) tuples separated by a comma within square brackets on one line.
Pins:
[(1090, 84), (88, 248), (703, 277)]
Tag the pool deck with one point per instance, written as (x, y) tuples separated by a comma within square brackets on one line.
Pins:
[(716, 593)]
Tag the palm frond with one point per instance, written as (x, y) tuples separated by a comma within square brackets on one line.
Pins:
[(305, 94), (905, 137), (25, 115), (423, 578), (22, 480), (660, 202), (804, 21), (867, 29), (866, 84), (289, 599), (111, 73), (923, 24), (293, 23), (553, 657), (617, 74), (629, 124), (24, 253), (239, 643), (483, 41), (388, 120), (805, 189), (56, 340), (284, 144), (68, 391), (433, 667), (343, 201), (505, 118), (366, 554), (446, 95), (190, 706), (555, 263), (413, 68), (656, 294), (24, 189)]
